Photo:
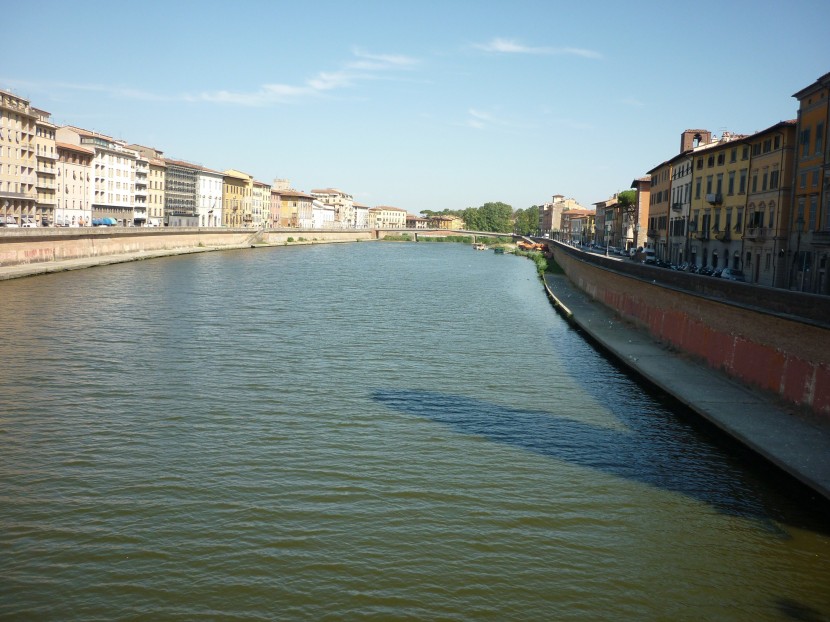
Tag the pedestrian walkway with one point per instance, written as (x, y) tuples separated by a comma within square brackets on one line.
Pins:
[(47, 267), (797, 445)]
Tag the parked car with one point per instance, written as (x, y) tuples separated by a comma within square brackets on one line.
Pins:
[(733, 275), (650, 256), (29, 225)]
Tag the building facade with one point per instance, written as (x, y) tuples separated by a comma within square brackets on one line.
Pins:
[(810, 221), (768, 204), (18, 163), (387, 217), (181, 189), (237, 193), (73, 188), (47, 156), (113, 174), (209, 197), (344, 213)]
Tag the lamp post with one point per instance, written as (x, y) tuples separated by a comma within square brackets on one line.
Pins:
[(799, 223)]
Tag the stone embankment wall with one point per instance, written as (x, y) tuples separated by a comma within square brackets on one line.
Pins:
[(773, 340), (26, 246)]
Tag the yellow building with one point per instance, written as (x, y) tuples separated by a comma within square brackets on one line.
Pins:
[(718, 201), (810, 224), (18, 179), (446, 222), (295, 209), (237, 194), (769, 202)]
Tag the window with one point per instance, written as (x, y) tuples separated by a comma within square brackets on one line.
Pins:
[(764, 181), (755, 183), (819, 137), (805, 142), (773, 180), (697, 188), (813, 212), (710, 162), (720, 183), (756, 149), (815, 177), (733, 155), (745, 153), (767, 145), (739, 220), (708, 184), (721, 158), (777, 144)]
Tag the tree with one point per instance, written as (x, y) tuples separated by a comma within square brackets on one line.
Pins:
[(526, 221), (627, 199)]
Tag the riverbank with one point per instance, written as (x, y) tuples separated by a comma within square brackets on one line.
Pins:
[(792, 441)]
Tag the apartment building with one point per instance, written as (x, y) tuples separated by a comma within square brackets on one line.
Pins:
[(47, 155), (296, 209), (769, 203), (322, 215), (209, 197), (361, 215), (260, 204), (387, 217), (607, 220), (550, 214), (237, 193), (142, 173), (637, 216), (113, 173), (344, 212), (155, 183), (18, 163), (810, 226), (181, 183), (657, 234), (73, 188), (719, 176)]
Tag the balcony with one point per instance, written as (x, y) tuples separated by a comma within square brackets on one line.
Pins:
[(701, 235), (714, 198), (46, 183), (756, 234), (677, 207), (723, 236)]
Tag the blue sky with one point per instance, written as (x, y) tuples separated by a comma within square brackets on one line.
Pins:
[(420, 105)]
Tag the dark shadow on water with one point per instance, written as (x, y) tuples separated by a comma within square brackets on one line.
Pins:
[(654, 449)]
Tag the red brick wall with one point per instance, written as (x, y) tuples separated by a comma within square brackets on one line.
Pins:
[(786, 357)]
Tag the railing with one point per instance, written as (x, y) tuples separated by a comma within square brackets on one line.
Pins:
[(714, 199), (756, 233), (723, 236)]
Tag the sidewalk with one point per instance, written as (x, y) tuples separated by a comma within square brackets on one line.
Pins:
[(794, 444), (33, 269)]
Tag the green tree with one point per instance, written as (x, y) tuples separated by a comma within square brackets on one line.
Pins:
[(627, 199), (526, 221)]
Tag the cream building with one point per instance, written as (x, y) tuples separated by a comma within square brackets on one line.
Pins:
[(296, 209), (73, 175), (260, 204), (344, 212), (47, 155), (361, 216), (386, 217), (155, 183), (113, 173), (18, 179), (142, 173)]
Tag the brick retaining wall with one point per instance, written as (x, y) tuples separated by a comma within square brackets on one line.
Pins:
[(748, 332)]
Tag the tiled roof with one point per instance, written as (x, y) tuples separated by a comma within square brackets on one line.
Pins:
[(77, 148)]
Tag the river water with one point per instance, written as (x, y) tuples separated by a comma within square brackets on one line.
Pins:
[(362, 431)]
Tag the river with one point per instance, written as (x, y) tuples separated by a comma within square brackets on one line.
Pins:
[(378, 431)]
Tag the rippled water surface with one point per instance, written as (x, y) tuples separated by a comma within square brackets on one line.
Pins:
[(362, 431)]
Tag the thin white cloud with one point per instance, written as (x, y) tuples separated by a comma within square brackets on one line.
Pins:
[(508, 46), (364, 67), (632, 101)]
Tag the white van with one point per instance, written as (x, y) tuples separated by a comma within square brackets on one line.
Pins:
[(650, 256)]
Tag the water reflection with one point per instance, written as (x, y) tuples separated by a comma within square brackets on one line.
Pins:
[(657, 451)]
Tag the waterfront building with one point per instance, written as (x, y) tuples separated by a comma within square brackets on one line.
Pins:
[(73, 188), (769, 202), (260, 204), (47, 154), (155, 183), (344, 211), (113, 173), (237, 193), (18, 179), (810, 220), (181, 184), (142, 173), (635, 217), (416, 222), (550, 214), (296, 209), (658, 210), (209, 197), (720, 169), (361, 216), (577, 226), (610, 222), (446, 222), (387, 217), (322, 215)]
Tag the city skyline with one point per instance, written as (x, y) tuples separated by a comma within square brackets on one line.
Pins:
[(421, 107)]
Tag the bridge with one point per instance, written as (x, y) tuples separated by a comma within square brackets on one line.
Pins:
[(442, 233)]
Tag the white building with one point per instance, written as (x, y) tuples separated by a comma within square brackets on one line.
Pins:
[(322, 215), (386, 217), (344, 212), (361, 216), (209, 198), (113, 173), (142, 170)]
